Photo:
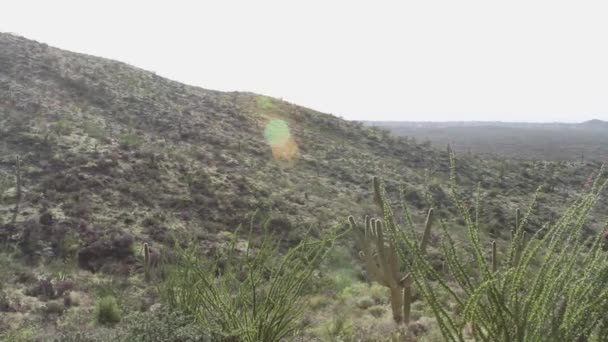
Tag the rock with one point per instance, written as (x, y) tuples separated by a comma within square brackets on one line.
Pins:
[(104, 250), (44, 290), (155, 307), (46, 219)]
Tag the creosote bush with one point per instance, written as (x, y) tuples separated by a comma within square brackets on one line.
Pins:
[(550, 285)]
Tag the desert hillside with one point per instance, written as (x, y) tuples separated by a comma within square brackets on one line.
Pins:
[(98, 157)]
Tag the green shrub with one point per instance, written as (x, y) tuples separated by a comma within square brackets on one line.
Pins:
[(265, 103), (20, 335), (130, 141), (377, 311), (550, 285), (62, 127), (342, 280), (339, 329), (94, 130), (107, 311), (53, 308)]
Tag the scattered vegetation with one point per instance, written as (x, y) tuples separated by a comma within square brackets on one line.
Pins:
[(256, 297), (107, 311), (114, 158)]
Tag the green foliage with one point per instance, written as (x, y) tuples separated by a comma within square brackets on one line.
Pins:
[(130, 141), (20, 335), (255, 296), (166, 326), (339, 329), (265, 103), (514, 297), (93, 130), (5, 303), (107, 311), (342, 279), (62, 127)]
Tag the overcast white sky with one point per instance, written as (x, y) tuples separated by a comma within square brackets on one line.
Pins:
[(377, 60)]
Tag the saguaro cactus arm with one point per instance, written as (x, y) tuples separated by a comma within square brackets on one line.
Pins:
[(364, 237), (382, 262)]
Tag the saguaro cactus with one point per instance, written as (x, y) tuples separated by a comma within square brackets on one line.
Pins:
[(18, 189), (152, 259), (147, 261), (382, 263)]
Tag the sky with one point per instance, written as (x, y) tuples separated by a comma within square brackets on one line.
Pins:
[(403, 60)]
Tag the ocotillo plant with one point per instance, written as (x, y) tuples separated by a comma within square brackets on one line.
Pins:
[(550, 287), (382, 264)]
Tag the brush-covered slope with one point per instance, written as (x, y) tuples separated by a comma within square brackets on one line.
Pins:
[(112, 156), (111, 144), (114, 145)]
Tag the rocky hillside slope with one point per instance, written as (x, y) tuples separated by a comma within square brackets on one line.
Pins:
[(108, 147)]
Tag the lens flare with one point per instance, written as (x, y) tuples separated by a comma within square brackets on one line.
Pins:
[(278, 136), (277, 132)]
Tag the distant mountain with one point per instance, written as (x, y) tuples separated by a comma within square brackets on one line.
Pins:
[(540, 141), (595, 123), (446, 124)]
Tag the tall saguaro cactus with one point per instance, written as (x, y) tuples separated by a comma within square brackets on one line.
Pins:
[(147, 261), (18, 183), (382, 263)]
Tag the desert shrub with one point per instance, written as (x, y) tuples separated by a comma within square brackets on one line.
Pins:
[(20, 335), (94, 130), (166, 326), (44, 290), (62, 127), (107, 311), (514, 297), (377, 311), (255, 296), (342, 280), (5, 304), (339, 329), (365, 303), (129, 141), (53, 309), (317, 302)]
